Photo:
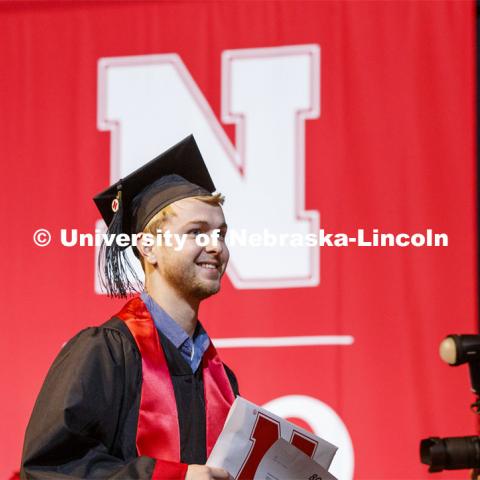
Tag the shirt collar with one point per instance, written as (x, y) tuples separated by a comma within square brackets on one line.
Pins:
[(165, 323)]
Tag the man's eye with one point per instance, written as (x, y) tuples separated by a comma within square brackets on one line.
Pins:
[(194, 231)]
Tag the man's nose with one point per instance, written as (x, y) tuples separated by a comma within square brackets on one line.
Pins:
[(215, 245)]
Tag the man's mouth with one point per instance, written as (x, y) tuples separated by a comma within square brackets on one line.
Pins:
[(209, 265)]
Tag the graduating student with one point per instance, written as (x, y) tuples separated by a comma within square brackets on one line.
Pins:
[(145, 395)]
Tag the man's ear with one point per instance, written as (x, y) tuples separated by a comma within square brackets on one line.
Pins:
[(145, 244)]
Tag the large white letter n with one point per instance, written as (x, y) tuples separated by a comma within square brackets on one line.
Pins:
[(150, 102)]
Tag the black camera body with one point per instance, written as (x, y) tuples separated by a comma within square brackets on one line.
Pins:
[(456, 453)]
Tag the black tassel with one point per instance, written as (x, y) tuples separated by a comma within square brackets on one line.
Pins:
[(113, 260)]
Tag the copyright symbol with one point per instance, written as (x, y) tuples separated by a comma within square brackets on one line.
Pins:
[(42, 237)]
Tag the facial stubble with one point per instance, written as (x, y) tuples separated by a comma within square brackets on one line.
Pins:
[(185, 280)]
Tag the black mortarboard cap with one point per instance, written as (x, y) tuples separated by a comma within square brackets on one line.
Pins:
[(128, 205)]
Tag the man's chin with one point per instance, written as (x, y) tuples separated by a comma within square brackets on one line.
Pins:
[(204, 290)]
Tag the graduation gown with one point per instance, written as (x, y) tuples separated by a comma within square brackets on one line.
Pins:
[(84, 423)]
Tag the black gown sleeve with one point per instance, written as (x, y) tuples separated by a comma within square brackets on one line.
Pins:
[(84, 421)]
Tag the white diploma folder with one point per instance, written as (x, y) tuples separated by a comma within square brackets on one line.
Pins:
[(284, 461), (250, 431)]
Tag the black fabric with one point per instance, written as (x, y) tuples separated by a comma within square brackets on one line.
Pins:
[(189, 396), (84, 422), (162, 192)]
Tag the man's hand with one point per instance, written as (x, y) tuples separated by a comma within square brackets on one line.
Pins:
[(202, 472)]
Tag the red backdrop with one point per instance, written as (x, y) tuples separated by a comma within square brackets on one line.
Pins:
[(392, 149)]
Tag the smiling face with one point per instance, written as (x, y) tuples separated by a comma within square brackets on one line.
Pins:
[(193, 271)]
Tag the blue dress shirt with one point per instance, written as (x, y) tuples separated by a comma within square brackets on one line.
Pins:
[(192, 349)]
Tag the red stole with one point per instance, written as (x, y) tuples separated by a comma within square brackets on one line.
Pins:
[(158, 434)]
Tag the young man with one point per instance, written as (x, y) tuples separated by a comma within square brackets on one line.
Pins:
[(145, 395)]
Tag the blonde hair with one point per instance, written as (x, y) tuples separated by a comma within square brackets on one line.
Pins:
[(161, 217)]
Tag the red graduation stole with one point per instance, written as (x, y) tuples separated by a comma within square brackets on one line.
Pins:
[(158, 433)]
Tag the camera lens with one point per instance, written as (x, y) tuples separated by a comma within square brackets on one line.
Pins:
[(452, 453)]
